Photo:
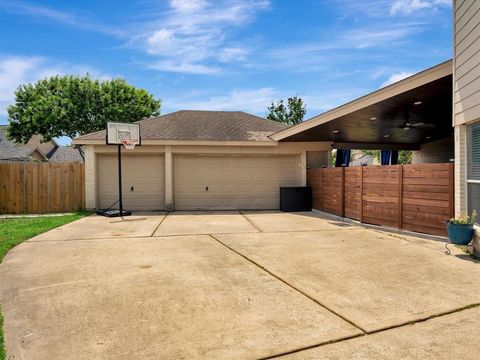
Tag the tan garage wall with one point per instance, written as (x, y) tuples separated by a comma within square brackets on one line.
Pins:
[(206, 182), (143, 181), (93, 152)]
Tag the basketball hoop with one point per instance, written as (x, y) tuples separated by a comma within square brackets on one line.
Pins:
[(128, 135), (129, 144)]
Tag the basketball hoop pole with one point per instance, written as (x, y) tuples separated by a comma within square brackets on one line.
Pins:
[(120, 179)]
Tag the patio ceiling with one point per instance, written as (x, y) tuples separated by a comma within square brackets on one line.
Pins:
[(404, 115)]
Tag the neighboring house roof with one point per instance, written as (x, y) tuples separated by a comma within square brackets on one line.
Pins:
[(10, 150), (196, 125), (65, 154)]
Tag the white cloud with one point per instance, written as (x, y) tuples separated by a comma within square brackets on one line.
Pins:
[(63, 17), (250, 100), (196, 34), (377, 36), (397, 77), (256, 101), (236, 53), (323, 54), (371, 8), (187, 6), (20, 7), (406, 7), (18, 70), (181, 67), (382, 8), (161, 37), (13, 72)]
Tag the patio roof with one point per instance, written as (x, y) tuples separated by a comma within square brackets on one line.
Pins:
[(403, 115)]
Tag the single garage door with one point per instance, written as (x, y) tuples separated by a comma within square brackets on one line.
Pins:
[(232, 182), (143, 181)]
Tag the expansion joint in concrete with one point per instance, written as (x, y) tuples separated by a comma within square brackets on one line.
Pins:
[(311, 347), (250, 221), (369, 333), (290, 285), (161, 222)]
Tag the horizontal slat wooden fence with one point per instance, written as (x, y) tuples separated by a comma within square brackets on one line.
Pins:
[(412, 197), (38, 188)]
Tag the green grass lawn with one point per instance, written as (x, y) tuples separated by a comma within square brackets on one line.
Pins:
[(14, 231)]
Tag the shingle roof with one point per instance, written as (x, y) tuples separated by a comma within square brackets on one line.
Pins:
[(10, 150), (203, 126), (65, 154)]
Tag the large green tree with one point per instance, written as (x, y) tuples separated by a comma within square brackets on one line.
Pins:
[(75, 105), (291, 114)]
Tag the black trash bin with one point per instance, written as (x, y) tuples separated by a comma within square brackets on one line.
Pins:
[(296, 198)]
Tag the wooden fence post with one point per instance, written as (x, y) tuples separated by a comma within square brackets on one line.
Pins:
[(400, 196), (321, 189), (361, 194), (24, 186)]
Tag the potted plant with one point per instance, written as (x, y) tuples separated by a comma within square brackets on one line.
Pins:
[(460, 229)]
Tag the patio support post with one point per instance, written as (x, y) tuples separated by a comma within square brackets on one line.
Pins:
[(303, 158)]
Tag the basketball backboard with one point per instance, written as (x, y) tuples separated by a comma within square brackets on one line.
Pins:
[(117, 133)]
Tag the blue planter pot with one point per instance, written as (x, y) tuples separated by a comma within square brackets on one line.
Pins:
[(460, 234)]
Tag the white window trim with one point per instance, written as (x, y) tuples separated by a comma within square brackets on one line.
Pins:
[(466, 149)]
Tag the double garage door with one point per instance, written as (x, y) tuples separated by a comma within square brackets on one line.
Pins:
[(232, 182), (199, 182)]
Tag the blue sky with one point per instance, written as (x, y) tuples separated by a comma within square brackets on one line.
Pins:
[(226, 54)]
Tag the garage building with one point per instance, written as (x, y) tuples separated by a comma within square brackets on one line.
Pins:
[(199, 160)]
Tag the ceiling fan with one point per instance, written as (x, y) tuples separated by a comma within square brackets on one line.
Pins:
[(420, 125), (407, 125)]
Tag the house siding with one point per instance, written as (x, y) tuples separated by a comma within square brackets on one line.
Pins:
[(466, 71), (466, 61)]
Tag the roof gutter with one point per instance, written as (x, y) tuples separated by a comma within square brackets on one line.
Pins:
[(184, 142)]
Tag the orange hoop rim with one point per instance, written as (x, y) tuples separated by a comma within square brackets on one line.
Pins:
[(129, 143)]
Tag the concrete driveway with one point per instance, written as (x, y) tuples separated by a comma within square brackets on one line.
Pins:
[(230, 285)]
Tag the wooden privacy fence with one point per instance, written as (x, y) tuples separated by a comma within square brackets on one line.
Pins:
[(37, 188), (411, 197)]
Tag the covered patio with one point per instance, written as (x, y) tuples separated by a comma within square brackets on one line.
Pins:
[(413, 114)]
